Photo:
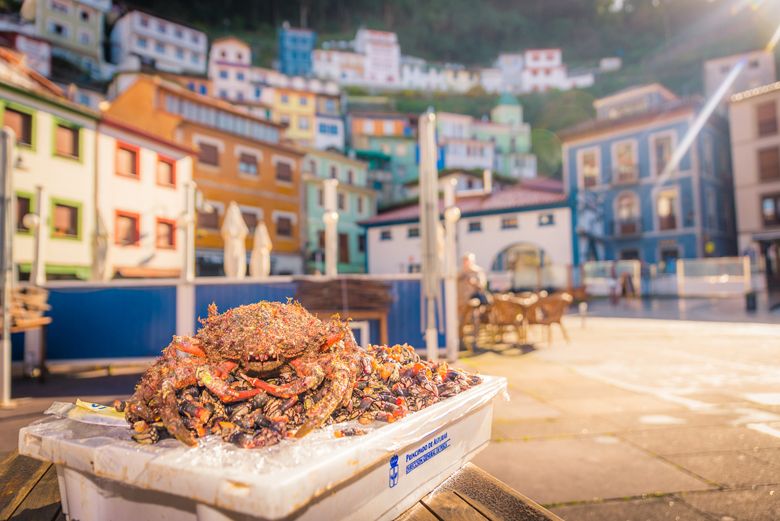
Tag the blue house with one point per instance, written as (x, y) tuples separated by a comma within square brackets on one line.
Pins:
[(630, 201), (295, 49)]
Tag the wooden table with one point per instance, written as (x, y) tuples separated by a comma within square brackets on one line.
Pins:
[(29, 491)]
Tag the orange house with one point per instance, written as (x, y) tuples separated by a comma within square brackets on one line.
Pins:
[(240, 159)]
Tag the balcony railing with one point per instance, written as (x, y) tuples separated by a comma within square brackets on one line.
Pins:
[(627, 227), (667, 222), (624, 175)]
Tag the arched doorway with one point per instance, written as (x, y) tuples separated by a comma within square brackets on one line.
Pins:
[(524, 261)]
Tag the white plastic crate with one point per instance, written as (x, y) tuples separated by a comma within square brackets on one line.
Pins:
[(103, 475)]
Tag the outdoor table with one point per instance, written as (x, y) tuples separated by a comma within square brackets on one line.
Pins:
[(30, 491)]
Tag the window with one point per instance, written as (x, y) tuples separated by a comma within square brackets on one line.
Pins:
[(208, 220), (240, 76), (21, 123), (509, 223), (667, 210), (312, 167), (208, 154), (223, 74), (247, 164), (475, 226), (284, 227), (342, 200), (127, 161), (195, 58), (344, 248), (23, 207), (388, 127), (303, 101), (589, 168), (629, 254), (662, 152), (362, 243), (386, 235), (127, 229), (625, 161), (627, 211), (766, 118), (303, 122), (546, 219), (202, 90), (144, 21), (66, 140), (770, 210), (285, 99), (59, 7), (178, 33), (141, 42), (161, 26), (159, 47), (368, 127), (180, 56), (250, 218), (769, 164), (166, 234), (58, 29), (412, 232), (320, 197), (334, 173), (284, 172), (84, 38), (360, 204), (65, 220), (166, 172)]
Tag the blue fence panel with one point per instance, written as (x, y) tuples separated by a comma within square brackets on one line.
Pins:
[(110, 322), (227, 296), (403, 321)]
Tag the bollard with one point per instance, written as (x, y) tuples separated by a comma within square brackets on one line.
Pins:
[(750, 301), (583, 310)]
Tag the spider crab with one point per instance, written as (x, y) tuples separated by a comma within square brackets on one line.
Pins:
[(231, 355)]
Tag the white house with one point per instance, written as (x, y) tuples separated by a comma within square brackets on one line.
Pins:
[(166, 45), (344, 67), (543, 70), (383, 57), (510, 66), (36, 51), (56, 151), (230, 60), (142, 184), (509, 230), (417, 74), (491, 79)]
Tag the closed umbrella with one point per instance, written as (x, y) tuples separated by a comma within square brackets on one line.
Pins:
[(429, 231), (260, 260), (234, 232)]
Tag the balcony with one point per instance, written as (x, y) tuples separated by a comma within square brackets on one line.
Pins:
[(627, 227), (667, 222), (626, 175)]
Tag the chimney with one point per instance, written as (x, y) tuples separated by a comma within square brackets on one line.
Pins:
[(487, 181)]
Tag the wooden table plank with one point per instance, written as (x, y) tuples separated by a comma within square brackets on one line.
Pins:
[(449, 506), (18, 474), (493, 498), (43, 501), (417, 513)]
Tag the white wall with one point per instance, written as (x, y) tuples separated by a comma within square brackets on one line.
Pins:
[(324, 141), (236, 61), (142, 196), (394, 256)]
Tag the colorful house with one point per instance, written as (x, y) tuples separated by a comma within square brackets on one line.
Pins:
[(142, 186), (75, 29), (56, 151), (295, 48), (355, 202), (296, 110), (240, 158), (631, 202)]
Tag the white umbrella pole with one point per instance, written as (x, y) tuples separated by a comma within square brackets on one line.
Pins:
[(331, 220), (451, 217), (6, 260), (38, 269), (429, 222), (188, 272)]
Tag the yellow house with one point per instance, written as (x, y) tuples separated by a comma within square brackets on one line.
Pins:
[(297, 110)]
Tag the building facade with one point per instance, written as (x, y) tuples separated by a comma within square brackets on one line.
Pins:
[(296, 110), (508, 230), (355, 202), (758, 69), (632, 201), (329, 123), (230, 60), (295, 48), (142, 183), (75, 29), (56, 151), (36, 51), (240, 158), (755, 153), (162, 44), (383, 57)]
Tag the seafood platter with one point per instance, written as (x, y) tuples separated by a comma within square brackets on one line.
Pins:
[(268, 412)]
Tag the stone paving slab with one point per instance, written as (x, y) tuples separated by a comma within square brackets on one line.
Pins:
[(654, 509), (692, 440), (771, 456), (552, 427), (731, 469), (754, 504), (616, 403), (582, 469), (521, 407)]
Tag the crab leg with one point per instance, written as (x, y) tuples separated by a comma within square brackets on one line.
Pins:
[(188, 345), (339, 387), (310, 375), (220, 387)]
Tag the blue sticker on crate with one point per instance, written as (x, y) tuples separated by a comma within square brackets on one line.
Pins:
[(427, 451), (394, 471)]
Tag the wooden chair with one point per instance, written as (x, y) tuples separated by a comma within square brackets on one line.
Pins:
[(549, 310), (506, 315)]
